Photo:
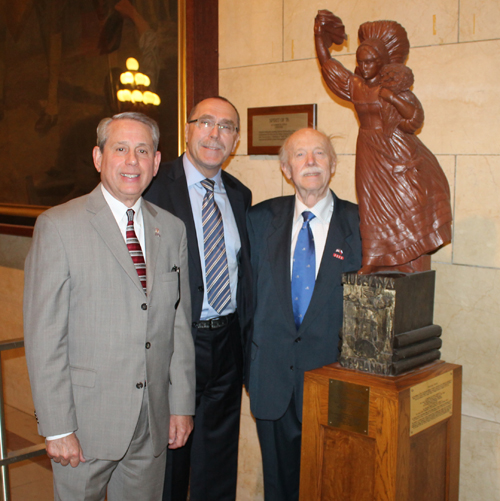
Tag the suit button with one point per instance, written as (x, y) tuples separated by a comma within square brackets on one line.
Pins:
[(291, 367), (200, 288), (139, 386), (298, 340), (148, 345), (144, 306)]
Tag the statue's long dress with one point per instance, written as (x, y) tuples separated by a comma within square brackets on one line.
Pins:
[(403, 194)]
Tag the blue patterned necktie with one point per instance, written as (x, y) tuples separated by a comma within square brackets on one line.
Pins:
[(304, 270), (216, 269), (134, 248)]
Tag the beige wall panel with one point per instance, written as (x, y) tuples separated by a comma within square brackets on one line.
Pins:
[(342, 182), (17, 390), (427, 22), (458, 88), (480, 460), (297, 82), (250, 482), (477, 213), (447, 162), (479, 20), (468, 310), (250, 33), (260, 173)]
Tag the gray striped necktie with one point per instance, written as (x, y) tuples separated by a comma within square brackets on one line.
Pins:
[(216, 269), (134, 248)]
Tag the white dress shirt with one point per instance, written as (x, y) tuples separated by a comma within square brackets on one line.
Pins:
[(320, 225), (119, 211), (231, 234)]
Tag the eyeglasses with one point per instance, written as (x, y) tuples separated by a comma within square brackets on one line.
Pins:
[(205, 124)]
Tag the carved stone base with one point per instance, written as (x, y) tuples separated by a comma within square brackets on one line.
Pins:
[(388, 325)]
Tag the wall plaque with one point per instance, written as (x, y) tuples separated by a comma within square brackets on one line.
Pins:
[(431, 402), (269, 127), (348, 406)]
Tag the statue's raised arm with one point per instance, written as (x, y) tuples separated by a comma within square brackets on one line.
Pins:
[(403, 194), (328, 30)]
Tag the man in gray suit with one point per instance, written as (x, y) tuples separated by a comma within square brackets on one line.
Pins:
[(107, 326)]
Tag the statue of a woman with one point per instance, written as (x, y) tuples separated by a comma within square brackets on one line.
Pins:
[(403, 194)]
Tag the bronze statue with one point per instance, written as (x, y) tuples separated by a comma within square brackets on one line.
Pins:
[(403, 194)]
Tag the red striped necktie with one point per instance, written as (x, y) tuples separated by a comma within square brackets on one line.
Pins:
[(134, 247)]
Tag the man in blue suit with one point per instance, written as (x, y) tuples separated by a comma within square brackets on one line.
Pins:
[(300, 246)]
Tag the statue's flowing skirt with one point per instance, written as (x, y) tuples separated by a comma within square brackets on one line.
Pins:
[(404, 198)]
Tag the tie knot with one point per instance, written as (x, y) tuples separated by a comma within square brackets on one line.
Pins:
[(308, 216), (208, 184), (130, 215)]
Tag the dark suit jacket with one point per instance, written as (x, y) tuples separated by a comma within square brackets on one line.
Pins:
[(279, 353), (169, 190)]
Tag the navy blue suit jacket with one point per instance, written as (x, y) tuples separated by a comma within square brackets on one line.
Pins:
[(279, 353), (169, 191)]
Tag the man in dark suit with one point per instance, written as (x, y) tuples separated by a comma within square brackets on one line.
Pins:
[(194, 188), (107, 326), (300, 246)]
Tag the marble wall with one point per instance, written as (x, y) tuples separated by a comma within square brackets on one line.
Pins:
[(267, 59)]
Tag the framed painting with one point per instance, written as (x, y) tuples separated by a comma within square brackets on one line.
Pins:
[(61, 63)]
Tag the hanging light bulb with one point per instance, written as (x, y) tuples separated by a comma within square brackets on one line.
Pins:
[(133, 79), (132, 64)]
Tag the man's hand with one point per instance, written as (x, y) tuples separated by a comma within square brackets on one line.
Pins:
[(180, 428), (66, 450)]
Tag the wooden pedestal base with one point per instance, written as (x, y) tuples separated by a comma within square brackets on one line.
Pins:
[(382, 462)]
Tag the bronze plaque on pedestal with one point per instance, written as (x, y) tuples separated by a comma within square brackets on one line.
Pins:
[(431, 402), (348, 406)]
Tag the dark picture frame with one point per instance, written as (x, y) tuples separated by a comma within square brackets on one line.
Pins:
[(268, 127)]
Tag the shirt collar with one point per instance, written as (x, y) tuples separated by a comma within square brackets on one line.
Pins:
[(119, 209), (194, 176), (322, 210)]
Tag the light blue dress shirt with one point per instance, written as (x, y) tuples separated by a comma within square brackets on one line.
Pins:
[(231, 234)]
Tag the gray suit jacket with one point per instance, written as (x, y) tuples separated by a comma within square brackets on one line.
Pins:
[(92, 336)]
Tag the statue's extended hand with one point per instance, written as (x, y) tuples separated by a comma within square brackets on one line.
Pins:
[(329, 28)]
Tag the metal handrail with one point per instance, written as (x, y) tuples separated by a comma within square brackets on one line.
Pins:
[(7, 458)]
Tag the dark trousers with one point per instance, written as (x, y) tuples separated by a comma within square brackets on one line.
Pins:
[(280, 442), (211, 453)]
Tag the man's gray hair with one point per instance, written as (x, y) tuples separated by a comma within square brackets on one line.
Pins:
[(103, 127), (285, 148)]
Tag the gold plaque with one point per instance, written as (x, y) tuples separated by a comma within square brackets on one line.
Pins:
[(272, 130), (268, 127), (348, 406), (431, 402)]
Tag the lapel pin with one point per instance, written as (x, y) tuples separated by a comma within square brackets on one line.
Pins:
[(339, 254), (157, 232)]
